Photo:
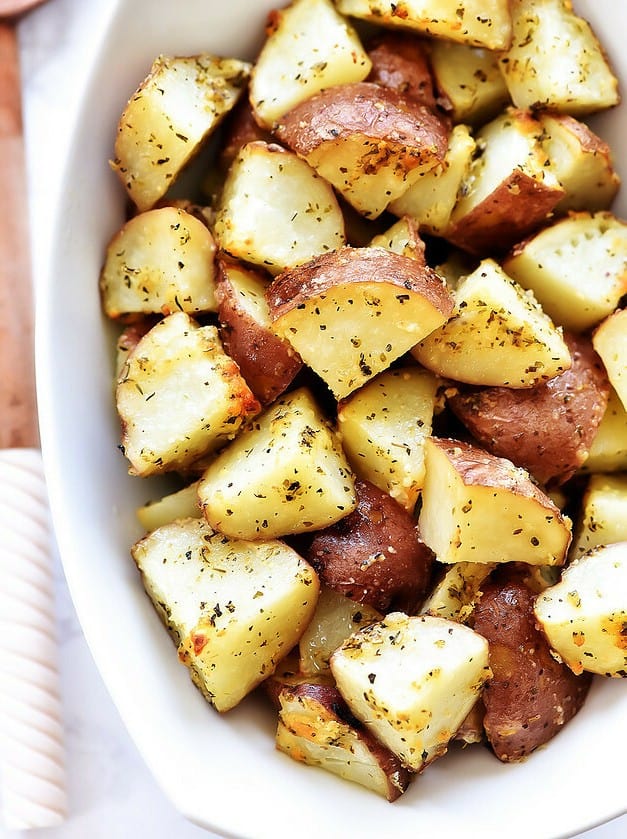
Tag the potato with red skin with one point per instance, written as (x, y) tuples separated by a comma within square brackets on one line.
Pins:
[(547, 429), (240, 128), (399, 62), (531, 695), (375, 554)]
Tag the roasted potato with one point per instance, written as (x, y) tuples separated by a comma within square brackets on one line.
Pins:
[(608, 452), (181, 504), (610, 342), (603, 516), (454, 595), (374, 555), (400, 62), (531, 695), (403, 238)]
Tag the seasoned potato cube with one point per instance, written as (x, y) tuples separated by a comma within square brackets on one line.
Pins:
[(179, 397), (610, 341), (455, 594), (608, 452), (370, 142), (400, 61), (286, 473), (268, 192), (383, 427), (128, 340), (234, 608), (164, 123), (582, 162), (555, 60), (182, 504), (161, 261), (584, 616), (403, 238), (576, 268), (478, 22), (412, 682), (480, 508), (509, 190), (497, 335), (316, 727), (431, 200), (470, 81), (351, 313), (293, 65), (603, 518)]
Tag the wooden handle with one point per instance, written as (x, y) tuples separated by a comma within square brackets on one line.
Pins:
[(18, 412)]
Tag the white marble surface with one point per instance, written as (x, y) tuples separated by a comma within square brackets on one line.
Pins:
[(111, 792)]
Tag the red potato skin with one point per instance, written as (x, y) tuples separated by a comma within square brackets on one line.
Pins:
[(240, 129), (354, 265), (375, 554), (547, 429), (399, 62), (531, 695)]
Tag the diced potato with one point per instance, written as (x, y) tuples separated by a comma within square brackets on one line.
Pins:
[(383, 426), (287, 674), (555, 60), (603, 518), (182, 504), (576, 268), (509, 190), (316, 727), (293, 65), (582, 162), (413, 710), (608, 452), (477, 22), (180, 397), (400, 60), (456, 593), (497, 335), (128, 339), (610, 342), (480, 508), (351, 313), (161, 261), (336, 617), (275, 211), (286, 473), (173, 111), (470, 81), (431, 200), (402, 238), (234, 608), (584, 616)]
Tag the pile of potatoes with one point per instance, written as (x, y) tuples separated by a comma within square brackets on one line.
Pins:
[(379, 347)]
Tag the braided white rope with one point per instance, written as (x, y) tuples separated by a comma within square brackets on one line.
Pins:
[(32, 773)]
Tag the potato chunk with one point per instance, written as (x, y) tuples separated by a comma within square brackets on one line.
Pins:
[(351, 313), (497, 335), (161, 261), (165, 121), (234, 608), (478, 22), (268, 192), (576, 268), (555, 60), (403, 238), (603, 517), (286, 473), (455, 594), (584, 616), (182, 504), (179, 397), (293, 65), (480, 508), (400, 61), (412, 682), (608, 452), (610, 341)]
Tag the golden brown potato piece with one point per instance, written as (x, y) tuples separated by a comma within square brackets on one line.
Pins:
[(374, 555), (531, 695), (268, 363), (370, 142), (548, 429), (400, 63)]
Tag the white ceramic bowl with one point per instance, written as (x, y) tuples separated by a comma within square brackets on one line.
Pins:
[(223, 771)]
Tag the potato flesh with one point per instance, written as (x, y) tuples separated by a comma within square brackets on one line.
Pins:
[(180, 103), (555, 60), (608, 452), (402, 238), (584, 616), (285, 474), (497, 335), (603, 518), (413, 711), (160, 262), (182, 504), (480, 508), (610, 342), (576, 268), (454, 596), (383, 427), (268, 192), (480, 22), (292, 66), (179, 364), (234, 608)]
